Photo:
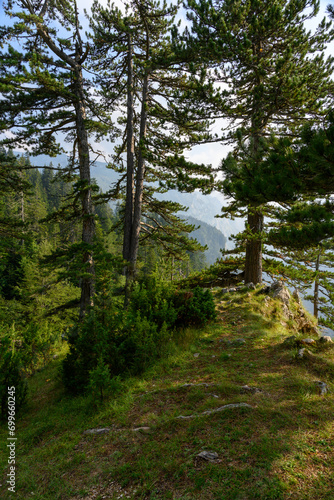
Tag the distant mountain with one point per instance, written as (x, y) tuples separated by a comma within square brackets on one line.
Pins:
[(203, 208), (103, 175), (210, 236)]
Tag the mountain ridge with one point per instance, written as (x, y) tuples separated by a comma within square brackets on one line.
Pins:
[(203, 208)]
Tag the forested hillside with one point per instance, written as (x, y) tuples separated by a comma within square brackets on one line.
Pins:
[(210, 236), (105, 274), (201, 210)]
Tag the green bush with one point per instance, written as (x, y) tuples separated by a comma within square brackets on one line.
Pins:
[(100, 381), (10, 376), (194, 307), (153, 299), (113, 342), (123, 343), (37, 344)]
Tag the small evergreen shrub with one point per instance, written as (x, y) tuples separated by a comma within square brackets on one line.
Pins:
[(100, 380), (10, 376), (113, 342), (122, 344), (153, 299), (194, 307), (37, 344)]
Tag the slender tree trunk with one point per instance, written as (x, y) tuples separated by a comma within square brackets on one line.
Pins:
[(22, 214), (130, 158), (253, 262), (253, 259), (316, 287), (139, 182), (88, 221)]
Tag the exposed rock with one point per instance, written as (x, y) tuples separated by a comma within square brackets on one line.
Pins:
[(308, 341), (323, 388), (280, 292), (245, 389), (265, 290), (251, 286), (215, 410), (277, 286), (104, 430), (252, 390), (314, 330), (236, 342), (301, 312), (286, 311), (226, 407), (211, 456), (305, 354), (305, 326), (239, 288), (296, 296), (142, 429), (326, 339), (266, 301)]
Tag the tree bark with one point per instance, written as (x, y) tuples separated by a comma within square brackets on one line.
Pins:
[(130, 159), (139, 182), (88, 222), (253, 262), (316, 287)]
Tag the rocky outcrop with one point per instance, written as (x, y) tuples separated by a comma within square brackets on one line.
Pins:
[(280, 292)]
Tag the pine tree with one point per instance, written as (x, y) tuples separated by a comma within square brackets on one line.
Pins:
[(273, 76), (141, 76), (44, 94), (302, 231)]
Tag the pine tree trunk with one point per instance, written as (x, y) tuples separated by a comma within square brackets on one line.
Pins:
[(253, 262), (316, 288), (130, 159), (139, 183), (88, 222), (22, 213)]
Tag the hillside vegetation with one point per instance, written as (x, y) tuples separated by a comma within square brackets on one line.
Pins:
[(276, 443)]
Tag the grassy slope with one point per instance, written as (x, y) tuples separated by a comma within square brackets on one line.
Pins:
[(282, 447)]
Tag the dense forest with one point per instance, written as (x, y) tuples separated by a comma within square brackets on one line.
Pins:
[(119, 284)]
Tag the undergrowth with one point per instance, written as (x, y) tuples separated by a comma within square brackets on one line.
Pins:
[(279, 447)]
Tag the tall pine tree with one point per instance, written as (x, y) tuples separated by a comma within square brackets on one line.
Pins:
[(272, 75), (45, 95), (140, 75)]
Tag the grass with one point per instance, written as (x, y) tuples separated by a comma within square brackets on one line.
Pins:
[(280, 448)]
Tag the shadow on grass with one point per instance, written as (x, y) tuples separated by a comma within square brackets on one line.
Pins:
[(280, 448)]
